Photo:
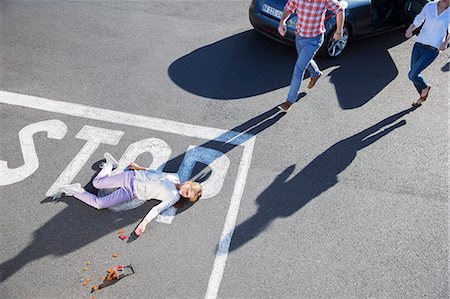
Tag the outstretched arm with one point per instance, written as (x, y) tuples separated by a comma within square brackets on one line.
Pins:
[(141, 227), (155, 212)]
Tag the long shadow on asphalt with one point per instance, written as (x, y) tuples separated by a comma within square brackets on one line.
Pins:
[(78, 225), (248, 64), (285, 197)]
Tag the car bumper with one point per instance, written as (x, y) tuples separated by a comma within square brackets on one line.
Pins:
[(269, 27)]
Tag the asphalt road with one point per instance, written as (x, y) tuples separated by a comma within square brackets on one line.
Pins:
[(344, 196)]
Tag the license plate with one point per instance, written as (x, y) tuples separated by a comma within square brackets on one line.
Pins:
[(272, 11)]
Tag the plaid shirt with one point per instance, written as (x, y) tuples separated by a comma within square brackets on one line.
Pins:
[(311, 15)]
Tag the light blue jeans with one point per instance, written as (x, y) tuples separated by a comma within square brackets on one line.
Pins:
[(421, 57), (306, 49)]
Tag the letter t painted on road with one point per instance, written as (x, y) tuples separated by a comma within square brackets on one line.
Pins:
[(94, 136)]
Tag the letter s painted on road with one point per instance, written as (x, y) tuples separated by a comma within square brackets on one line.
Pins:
[(55, 129)]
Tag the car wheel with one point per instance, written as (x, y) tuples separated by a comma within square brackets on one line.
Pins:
[(332, 48)]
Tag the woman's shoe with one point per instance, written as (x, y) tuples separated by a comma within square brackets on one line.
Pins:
[(422, 99)]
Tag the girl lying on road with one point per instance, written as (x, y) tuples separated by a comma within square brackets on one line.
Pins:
[(138, 184)]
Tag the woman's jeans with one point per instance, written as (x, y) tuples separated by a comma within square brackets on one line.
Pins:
[(422, 56), (306, 49), (104, 180)]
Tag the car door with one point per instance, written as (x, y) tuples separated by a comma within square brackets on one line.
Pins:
[(358, 16), (411, 9)]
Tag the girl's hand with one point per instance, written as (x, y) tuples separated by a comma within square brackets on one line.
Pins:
[(141, 228), (133, 166)]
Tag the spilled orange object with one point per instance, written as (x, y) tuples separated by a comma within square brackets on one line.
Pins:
[(87, 281)]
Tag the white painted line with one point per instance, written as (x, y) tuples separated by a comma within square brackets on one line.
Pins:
[(167, 216), (230, 223), (128, 119), (124, 118)]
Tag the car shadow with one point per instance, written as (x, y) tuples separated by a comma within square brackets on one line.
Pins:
[(243, 65), (283, 197), (365, 70), (77, 225), (248, 64)]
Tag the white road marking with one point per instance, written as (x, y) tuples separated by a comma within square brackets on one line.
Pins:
[(124, 118), (216, 160), (128, 119), (167, 216), (55, 129), (230, 223), (159, 149), (94, 136)]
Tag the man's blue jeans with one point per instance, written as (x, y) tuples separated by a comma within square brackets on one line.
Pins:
[(422, 56), (306, 49)]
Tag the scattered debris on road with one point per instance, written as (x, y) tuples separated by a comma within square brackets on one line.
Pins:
[(113, 276)]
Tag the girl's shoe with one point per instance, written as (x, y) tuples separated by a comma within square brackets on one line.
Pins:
[(68, 190), (110, 160)]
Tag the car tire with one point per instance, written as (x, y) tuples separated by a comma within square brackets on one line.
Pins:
[(331, 48)]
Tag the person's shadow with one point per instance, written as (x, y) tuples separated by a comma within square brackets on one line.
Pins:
[(284, 197), (78, 225), (72, 228), (248, 64)]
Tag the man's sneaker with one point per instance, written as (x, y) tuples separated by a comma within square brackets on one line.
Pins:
[(285, 106), (110, 160), (313, 81), (68, 190)]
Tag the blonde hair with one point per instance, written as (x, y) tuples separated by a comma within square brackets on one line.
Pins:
[(199, 190)]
